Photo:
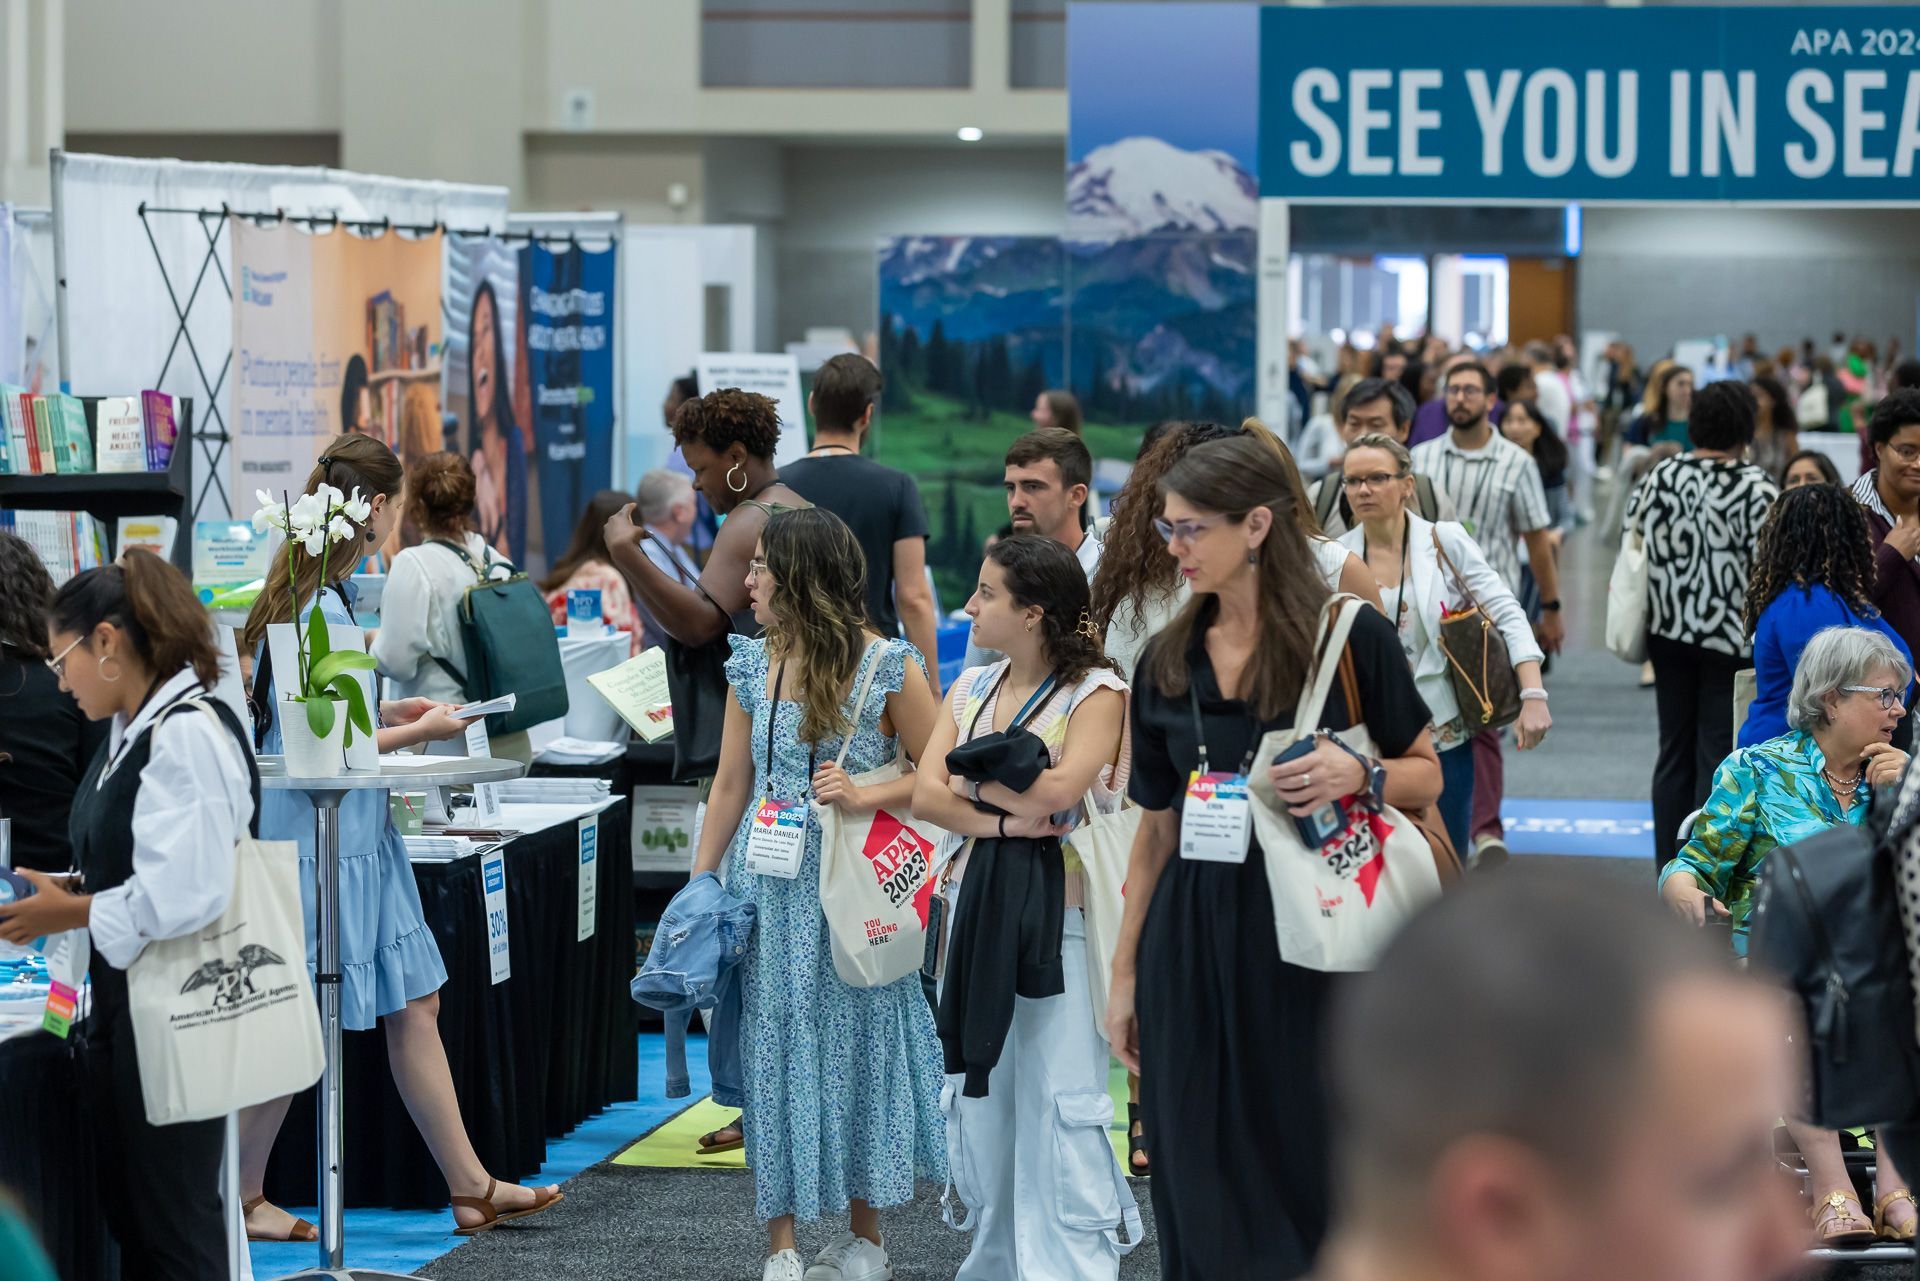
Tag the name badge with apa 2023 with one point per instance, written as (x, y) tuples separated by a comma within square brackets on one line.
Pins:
[(1216, 822), (777, 840)]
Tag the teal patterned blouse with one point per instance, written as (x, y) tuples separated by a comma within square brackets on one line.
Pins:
[(1766, 795)]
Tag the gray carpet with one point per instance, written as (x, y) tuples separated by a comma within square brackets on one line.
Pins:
[(698, 1225)]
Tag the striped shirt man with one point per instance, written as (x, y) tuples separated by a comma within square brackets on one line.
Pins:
[(1495, 489)]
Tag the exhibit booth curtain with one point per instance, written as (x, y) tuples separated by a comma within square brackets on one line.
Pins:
[(120, 322)]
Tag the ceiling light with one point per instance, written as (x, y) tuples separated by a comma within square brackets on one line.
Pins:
[(971, 133)]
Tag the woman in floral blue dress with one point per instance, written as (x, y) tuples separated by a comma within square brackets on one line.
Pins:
[(843, 1083)]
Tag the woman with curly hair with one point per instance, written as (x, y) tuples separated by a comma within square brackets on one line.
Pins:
[(1812, 569), (45, 743), (843, 1083), (727, 437)]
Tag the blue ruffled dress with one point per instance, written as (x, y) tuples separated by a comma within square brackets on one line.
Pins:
[(388, 956), (843, 1083)]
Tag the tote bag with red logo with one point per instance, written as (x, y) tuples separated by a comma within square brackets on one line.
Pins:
[(876, 877)]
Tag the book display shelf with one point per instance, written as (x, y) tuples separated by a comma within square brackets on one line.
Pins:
[(108, 496)]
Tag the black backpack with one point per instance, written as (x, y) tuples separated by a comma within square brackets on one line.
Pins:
[(1826, 921)]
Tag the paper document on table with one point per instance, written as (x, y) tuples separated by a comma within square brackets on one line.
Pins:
[(637, 689), (491, 707), (404, 760)]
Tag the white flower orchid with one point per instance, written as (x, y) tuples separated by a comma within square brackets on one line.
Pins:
[(357, 509)]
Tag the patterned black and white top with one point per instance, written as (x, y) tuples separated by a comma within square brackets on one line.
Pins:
[(1700, 519), (1495, 491)]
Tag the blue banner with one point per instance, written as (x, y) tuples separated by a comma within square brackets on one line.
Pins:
[(1794, 104), (567, 300)]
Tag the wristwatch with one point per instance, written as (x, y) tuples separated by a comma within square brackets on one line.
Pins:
[(1550, 606), (1377, 780)]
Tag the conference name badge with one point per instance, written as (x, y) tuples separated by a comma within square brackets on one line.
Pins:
[(1216, 823), (777, 840)]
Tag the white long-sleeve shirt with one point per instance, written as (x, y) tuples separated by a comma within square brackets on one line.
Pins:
[(195, 801), (419, 620)]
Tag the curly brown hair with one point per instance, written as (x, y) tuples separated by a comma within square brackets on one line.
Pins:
[(820, 611), (1040, 571), (1815, 536), (440, 494), (1134, 564), (726, 415)]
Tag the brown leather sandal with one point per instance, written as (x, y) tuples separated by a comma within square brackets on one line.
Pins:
[(542, 1200), (711, 1142), (1837, 1227), (300, 1231), (1883, 1227)]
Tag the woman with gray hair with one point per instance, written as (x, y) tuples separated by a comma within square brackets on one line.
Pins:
[(1849, 692)]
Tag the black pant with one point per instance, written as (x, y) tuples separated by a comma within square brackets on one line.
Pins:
[(159, 1184), (1693, 689)]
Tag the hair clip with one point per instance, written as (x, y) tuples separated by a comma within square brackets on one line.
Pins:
[(1086, 627)]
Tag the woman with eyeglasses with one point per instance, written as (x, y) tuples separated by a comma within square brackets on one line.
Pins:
[(842, 1083), (1425, 571), (1225, 1032), (153, 828), (1849, 691)]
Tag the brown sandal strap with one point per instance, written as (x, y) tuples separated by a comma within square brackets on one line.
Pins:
[(483, 1204), (248, 1207)]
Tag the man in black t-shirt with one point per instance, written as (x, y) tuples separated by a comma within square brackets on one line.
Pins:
[(879, 504)]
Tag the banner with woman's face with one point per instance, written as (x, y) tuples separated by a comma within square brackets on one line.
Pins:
[(484, 386)]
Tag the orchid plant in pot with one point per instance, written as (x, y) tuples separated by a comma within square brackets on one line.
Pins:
[(323, 704)]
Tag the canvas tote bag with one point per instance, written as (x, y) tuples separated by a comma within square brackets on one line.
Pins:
[(224, 1017), (876, 876), (1336, 907), (1104, 844), (1628, 588)]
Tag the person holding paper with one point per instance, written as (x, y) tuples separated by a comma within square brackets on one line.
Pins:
[(154, 825), (391, 970), (842, 1083)]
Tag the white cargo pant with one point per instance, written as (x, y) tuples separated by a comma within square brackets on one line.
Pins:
[(1032, 1160)]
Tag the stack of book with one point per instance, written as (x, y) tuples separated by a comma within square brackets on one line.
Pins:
[(44, 435), (67, 542)]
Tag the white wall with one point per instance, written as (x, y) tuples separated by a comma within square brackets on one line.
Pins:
[(1659, 275), (842, 200)]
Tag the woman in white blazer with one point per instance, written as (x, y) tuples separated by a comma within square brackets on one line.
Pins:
[(1416, 588)]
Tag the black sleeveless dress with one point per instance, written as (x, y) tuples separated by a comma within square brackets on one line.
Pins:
[(159, 1185)]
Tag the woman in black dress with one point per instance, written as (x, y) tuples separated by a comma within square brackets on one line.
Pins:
[(1224, 1032)]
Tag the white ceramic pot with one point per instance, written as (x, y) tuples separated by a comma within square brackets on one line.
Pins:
[(308, 754)]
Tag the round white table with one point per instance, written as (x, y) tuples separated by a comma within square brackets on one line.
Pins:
[(325, 794)]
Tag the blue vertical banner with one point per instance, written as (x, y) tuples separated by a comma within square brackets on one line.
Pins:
[(567, 303)]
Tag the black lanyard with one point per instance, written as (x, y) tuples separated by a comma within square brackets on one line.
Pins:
[(1200, 730), (773, 714), (1406, 532)]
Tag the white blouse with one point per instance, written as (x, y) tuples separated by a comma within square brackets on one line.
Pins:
[(195, 801)]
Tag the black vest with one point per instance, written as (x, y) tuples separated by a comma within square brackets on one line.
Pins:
[(101, 828)]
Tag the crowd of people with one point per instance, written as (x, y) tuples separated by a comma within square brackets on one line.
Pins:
[(1149, 654)]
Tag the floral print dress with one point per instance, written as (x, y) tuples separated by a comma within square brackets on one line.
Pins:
[(842, 1083)]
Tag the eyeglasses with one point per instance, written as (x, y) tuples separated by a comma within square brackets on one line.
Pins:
[(1907, 454), (757, 567), (1465, 391), (1375, 480), (58, 663), (1185, 530), (1890, 697)]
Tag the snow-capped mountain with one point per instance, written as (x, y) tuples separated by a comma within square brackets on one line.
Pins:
[(1140, 185)]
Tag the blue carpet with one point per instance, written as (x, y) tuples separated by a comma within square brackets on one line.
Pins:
[(1589, 829), (402, 1240)]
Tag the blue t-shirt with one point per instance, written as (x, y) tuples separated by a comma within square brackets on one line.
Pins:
[(1784, 629)]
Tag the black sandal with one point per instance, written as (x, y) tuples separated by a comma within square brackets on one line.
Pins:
[(1138, 1164)]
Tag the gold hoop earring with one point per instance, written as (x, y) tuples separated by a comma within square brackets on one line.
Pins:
[(114, 659), (741, 488)]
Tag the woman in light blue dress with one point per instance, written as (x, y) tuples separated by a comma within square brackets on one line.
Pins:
[(843, 1083), (390, 965)]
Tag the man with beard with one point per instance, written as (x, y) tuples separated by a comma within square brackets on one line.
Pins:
[(1496, 488), (1047, 474)]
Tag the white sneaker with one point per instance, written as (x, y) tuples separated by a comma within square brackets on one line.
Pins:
[(851, 1258), (784, 1266)]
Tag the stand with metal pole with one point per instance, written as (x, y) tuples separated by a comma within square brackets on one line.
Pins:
[(325, 795)]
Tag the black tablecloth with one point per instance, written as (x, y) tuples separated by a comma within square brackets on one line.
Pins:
[(531, 1058), (46, 1155)]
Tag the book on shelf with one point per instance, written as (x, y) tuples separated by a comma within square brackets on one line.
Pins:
[(46, 456), (20, 461), (162, 428), (122, 435), (66, 542), (151, 533), (76, 442)]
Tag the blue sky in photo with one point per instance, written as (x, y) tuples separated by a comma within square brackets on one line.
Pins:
[(1185, 73)]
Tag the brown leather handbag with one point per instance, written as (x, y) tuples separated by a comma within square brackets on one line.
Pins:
[(1479, 668)]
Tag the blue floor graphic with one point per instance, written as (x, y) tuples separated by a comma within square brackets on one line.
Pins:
[(1589, 829), (402, 1240)]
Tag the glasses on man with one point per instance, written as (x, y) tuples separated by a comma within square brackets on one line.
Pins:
[(1372, 480), (1466, 391), (58, 663), (1185, 530), (1890, 697)]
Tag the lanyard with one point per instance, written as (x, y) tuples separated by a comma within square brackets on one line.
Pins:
[(773, 714), (1406, 532), (1032, 703), (1200, 731)]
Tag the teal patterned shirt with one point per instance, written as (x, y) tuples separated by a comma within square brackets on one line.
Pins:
[(1766, 795)]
